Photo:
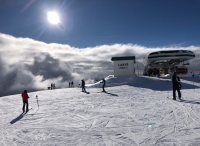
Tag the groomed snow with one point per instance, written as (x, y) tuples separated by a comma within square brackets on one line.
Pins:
[(135, 111)]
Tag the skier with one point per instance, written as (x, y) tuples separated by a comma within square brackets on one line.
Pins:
[(192, 74), (54, 86), (72, 84), (179, 81), (83, 85), (25, 101), (176, 86), (104, 83)]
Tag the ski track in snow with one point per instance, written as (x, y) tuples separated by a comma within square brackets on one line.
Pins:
[(124, 116)]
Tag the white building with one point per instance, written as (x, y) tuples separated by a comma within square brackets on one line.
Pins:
[(124, 66)]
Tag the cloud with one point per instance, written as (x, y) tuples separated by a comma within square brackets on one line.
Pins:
[(33, 65), (49, 68)]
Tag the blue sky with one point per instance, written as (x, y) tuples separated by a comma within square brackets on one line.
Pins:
[(89, 23), (35, 53)]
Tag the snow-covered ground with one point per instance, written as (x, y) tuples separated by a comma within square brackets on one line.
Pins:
[(135, 111)]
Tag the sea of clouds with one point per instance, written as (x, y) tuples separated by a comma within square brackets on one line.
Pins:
[(34, 65)]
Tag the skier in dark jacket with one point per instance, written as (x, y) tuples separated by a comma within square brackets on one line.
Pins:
[(72, 84), (25, 100), (83, 85), (176, 86), (179, 81), (104, 83)]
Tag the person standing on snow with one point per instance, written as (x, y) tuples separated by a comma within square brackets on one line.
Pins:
[(25, 100), (72, 84), (179, 81), (104, 83), (54, 86), (83, 85), (176, 86)]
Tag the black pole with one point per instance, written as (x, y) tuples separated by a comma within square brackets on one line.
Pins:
[(37, 101)]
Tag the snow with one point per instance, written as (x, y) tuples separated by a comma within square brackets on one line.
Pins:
[(135, 111)]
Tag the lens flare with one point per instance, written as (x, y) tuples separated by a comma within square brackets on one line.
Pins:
[(53, 17)]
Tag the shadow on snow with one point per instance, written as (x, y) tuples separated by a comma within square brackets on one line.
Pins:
[(111, 93), (17, 119), (189, 101), (153, 83)]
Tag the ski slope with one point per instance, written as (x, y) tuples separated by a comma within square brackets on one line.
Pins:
[(135, 111)]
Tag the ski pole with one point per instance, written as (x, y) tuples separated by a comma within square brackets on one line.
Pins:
[(37, 101), (168, 89), (193, 83)]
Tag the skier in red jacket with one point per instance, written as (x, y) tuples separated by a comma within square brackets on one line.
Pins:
[(25, 100)]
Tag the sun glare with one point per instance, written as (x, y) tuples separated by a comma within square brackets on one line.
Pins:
[(53, 17)]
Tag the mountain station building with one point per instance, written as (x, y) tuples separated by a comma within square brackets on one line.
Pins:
[(124, 66)]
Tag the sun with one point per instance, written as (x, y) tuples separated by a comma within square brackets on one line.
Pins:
[(53, 17)]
